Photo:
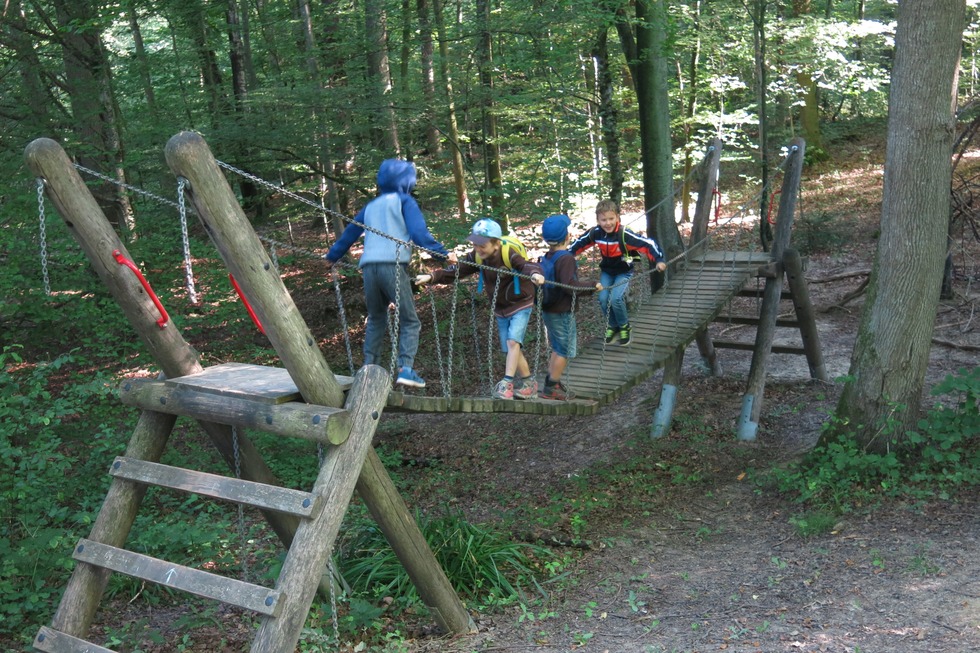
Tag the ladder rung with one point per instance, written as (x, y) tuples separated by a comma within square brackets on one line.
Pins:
[(227, 590), (749, 292), (738, 319), (54, 641), (295, 419), (249, 493), (750, 346)]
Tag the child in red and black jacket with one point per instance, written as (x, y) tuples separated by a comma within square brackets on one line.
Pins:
[(616, 243)]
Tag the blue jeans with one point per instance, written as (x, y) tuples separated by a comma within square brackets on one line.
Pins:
[(513, 327), (379, 291), (613, 300), (562, 335)]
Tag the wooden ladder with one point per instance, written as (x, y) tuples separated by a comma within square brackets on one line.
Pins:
[(246, 396)]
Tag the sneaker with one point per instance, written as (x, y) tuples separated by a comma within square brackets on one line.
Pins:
[(526, 389), (610, 335), (557, 392), (408, 377), (625, 335), (504, 389)]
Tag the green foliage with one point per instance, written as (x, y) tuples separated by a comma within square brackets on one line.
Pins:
[(44, 493), (486, 567), (941, 456)]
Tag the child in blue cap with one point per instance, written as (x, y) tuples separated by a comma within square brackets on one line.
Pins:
[(559, 319)]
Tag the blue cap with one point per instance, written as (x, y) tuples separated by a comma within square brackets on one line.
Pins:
[(483, 230), (555, 228)]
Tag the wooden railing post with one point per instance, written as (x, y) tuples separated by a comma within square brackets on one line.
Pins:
[(748, 423)]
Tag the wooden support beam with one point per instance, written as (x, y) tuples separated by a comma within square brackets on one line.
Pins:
[(245, 256), (755, 387), (322, 424)]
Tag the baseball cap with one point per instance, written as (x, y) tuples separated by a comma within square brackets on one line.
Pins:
[(555, 228), (483, 230)]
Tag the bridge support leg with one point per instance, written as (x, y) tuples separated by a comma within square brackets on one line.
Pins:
[(664, 415)]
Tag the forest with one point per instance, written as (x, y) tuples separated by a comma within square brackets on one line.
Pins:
[(508, 110)]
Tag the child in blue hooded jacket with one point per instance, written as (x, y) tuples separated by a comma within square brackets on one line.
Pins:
[(389, 220)]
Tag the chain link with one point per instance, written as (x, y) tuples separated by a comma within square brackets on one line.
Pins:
[(43, 235), (447, 390), (241, 509), (188, 269), (490, 329)]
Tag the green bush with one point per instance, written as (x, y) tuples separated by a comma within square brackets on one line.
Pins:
[(941, 456)]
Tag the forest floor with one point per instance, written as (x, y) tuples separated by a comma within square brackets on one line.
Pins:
[(707, 560)]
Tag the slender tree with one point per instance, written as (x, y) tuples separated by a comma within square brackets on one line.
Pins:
[(459, 180), (493, 178), (881, 399)]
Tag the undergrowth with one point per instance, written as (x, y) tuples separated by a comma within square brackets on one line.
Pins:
[(938, 458)]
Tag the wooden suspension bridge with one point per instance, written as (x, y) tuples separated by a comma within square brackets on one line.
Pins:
[(305, 399)]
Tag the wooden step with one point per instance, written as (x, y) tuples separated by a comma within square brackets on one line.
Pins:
[(265, 497), (750, 346), (296, 419), (53, 641), (754, 321), (194, 581)]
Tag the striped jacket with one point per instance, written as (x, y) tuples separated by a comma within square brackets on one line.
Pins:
[(616, 248)]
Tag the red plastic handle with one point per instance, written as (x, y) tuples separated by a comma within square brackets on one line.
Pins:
[(772, 199), (248, 306), (122, 260)]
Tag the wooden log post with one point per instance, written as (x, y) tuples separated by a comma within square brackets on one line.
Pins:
[(189, 157), (748, 423), (89, 226), (698, 242), (314, 540), (804, 314)]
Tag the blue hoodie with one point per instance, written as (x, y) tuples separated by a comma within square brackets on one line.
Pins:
[(394, 212)]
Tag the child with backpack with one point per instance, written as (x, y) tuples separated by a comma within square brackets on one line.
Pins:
[(559, 266), (616, 245), (514, 298)]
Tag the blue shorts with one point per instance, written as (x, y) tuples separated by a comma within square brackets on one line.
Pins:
[(562, 334), (513, 327)]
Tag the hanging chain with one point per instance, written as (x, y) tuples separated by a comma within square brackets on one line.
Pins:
[(490, 329), (435, 332), (539, 306), (394, 323), (188, 270), (44, 237), (478, 354), (241, 508), (343, 322), (273, 254), (447, 390), (331, 570)]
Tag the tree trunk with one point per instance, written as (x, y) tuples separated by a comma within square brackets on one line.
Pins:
[(251, 199), (379, 70), (689, 108), (493, 185), (142, 65), (459, 180), (428, 78), (608, 117), (654, 115), (758, 14), (88, 76), (881, 401)]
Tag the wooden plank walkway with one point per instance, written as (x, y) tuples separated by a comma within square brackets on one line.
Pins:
[(663, 322), (601, 373), (598, 375)]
